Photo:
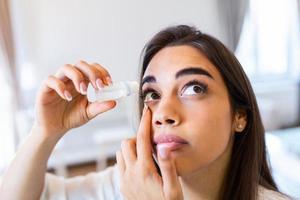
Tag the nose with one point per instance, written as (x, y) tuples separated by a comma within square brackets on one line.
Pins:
[(166, 114), (165, 121)]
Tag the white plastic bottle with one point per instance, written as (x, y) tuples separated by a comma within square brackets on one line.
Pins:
[(112, 92)]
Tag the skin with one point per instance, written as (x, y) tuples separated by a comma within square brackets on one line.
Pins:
[(137, 168), (62, 95), (196, 176), (204, 119)]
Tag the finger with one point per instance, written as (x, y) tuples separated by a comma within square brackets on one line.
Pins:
[(96, 108), (69, 72), (171, 184), (53, 83), (120, 162), (143, 137), (94, 74), (104, 72), (128, 148)]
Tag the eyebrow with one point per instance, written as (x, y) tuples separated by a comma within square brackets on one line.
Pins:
[(182, 72)]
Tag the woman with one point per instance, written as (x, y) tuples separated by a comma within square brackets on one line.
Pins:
[(200, 119)]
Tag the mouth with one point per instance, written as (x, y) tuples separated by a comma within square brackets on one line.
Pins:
[(170, 141)]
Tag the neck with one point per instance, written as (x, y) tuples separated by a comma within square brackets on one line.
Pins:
[(207, 183)]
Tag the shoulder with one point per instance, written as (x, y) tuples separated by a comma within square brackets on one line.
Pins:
[(266, 194)]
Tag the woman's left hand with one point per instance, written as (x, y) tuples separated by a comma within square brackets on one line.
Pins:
[(138, 174)]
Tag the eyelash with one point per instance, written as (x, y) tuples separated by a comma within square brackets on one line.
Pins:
[(202, 85)]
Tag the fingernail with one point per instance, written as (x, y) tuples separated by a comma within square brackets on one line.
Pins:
[(83, 88), (68, 95), (163, 151), (155, 158), (99, 83), (108, 80), (145, 108)]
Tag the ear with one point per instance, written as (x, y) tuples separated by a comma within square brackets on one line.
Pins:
[(240, 120)]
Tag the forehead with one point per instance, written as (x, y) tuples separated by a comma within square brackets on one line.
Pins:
[(170, 60)]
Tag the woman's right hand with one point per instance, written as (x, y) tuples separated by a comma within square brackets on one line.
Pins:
[(62, 103)]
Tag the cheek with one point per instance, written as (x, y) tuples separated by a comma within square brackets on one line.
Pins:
[(211, 117), (211, 131)]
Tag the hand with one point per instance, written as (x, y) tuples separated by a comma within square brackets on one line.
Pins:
[(62, 103), (139, 177)]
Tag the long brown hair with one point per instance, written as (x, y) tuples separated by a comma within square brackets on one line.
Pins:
[(248, 167)]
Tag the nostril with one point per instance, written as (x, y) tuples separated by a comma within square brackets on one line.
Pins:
[(167, 121), (170, 121), (158, 123)]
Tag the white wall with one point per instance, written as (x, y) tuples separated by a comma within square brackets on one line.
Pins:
[(109, 32), (51, 33), (112, 33)]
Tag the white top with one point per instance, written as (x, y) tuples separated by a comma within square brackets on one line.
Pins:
[(104, 185), (94, 186)]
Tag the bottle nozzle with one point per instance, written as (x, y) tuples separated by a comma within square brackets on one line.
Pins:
[(112, 92)]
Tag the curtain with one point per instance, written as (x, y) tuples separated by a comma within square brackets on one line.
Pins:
[(233, 13), (298, 8), (9, 86)]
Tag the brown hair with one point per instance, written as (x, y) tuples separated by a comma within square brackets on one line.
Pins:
[(248, 167)]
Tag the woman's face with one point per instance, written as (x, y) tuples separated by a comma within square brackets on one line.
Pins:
[(188, 98)]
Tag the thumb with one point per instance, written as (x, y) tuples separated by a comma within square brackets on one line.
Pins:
[(96, 108), (171, 185)]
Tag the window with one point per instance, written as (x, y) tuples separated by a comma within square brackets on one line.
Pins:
[(269, 45)]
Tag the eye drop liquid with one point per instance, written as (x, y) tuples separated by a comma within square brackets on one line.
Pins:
[(112, 92)]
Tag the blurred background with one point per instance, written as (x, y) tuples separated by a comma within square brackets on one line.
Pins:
[(38, 36)]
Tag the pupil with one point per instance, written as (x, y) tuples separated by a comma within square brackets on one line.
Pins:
[(197, 89), (153, 95)]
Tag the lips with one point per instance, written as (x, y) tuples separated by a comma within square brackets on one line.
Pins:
[(170, 141)]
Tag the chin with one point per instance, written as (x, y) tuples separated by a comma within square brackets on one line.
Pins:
[(185, 168)]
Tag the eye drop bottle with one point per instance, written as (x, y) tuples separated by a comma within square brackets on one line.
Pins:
[(112, 92)]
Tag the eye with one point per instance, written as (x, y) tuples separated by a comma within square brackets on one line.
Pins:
[(149, 95), (194, 88)]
